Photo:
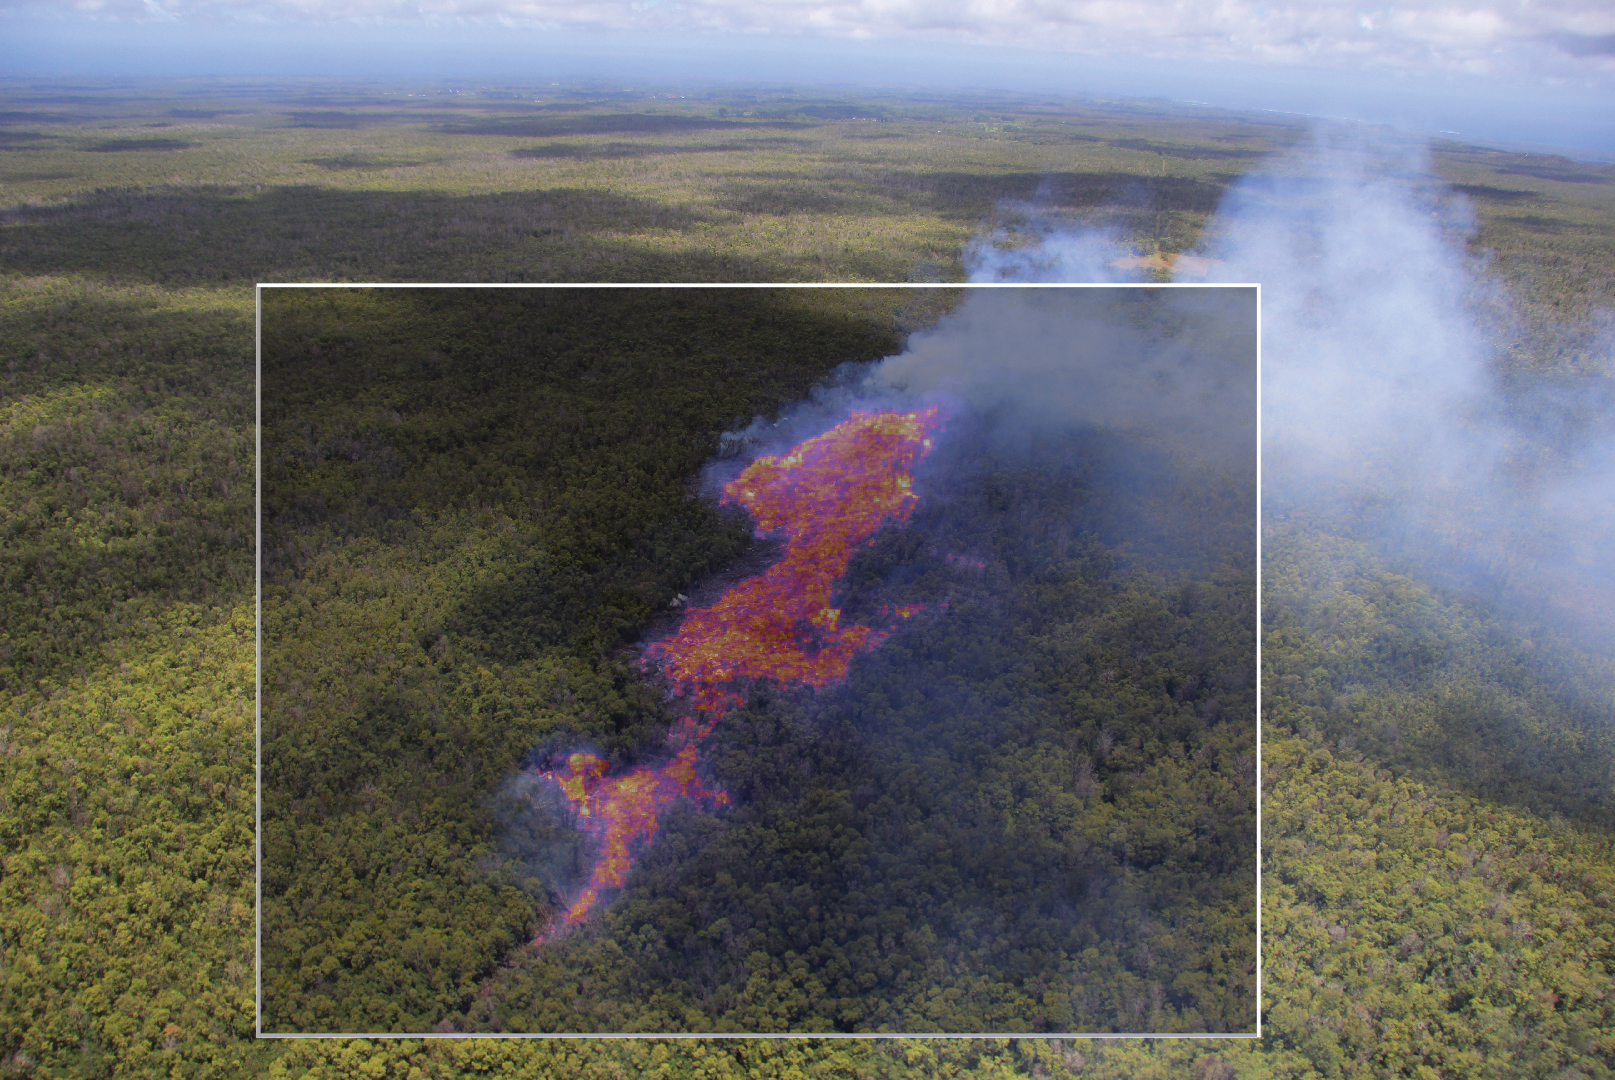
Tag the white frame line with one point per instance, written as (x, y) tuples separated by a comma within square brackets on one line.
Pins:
[(259, 1032), (258, 663)]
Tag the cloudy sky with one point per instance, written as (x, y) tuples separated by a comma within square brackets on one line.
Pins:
[(1528, 70)]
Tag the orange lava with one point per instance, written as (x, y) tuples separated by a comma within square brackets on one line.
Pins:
[(826, 496), (624, 808)]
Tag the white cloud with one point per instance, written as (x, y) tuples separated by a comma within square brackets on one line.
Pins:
[(1560, 38)]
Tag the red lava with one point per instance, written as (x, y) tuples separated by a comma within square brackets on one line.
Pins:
[(826, 496)]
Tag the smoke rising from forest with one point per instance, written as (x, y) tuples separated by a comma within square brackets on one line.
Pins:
[(1400, 406), (1175, 368), (1178, 362), (1058, 255), (1387, 402), (1375, 362)]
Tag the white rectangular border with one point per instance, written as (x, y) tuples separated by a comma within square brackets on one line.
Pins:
[(258, 867)]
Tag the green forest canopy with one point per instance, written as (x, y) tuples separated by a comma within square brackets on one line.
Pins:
[(1426, 913), (1104, 904)]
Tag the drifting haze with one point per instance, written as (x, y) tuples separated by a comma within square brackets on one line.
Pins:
[(1171, 369), (1384, 404), (1130, 360), (1376, 367)]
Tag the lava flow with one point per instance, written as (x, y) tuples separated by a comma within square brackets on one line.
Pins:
[(826, 496), (624, 808)]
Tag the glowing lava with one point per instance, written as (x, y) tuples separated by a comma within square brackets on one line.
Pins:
[(826, 496), (624, 808)]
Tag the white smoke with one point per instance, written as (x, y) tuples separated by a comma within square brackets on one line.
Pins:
[(1383, 400), (1174, 367), (1054, 255), (1375, 371)]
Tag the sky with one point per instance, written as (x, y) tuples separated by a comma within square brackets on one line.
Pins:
[(1527, 73)]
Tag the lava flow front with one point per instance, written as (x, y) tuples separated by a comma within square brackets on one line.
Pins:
[(827, 496)]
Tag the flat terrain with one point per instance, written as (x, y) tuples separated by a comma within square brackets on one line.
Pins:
[(476, 502), (1427, 911)]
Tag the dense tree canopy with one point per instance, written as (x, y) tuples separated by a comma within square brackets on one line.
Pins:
[(983, 831), (1437, 879)]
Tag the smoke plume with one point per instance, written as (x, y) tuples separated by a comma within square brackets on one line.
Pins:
[(1055, 255), (1171, 369), (1390, 402)]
